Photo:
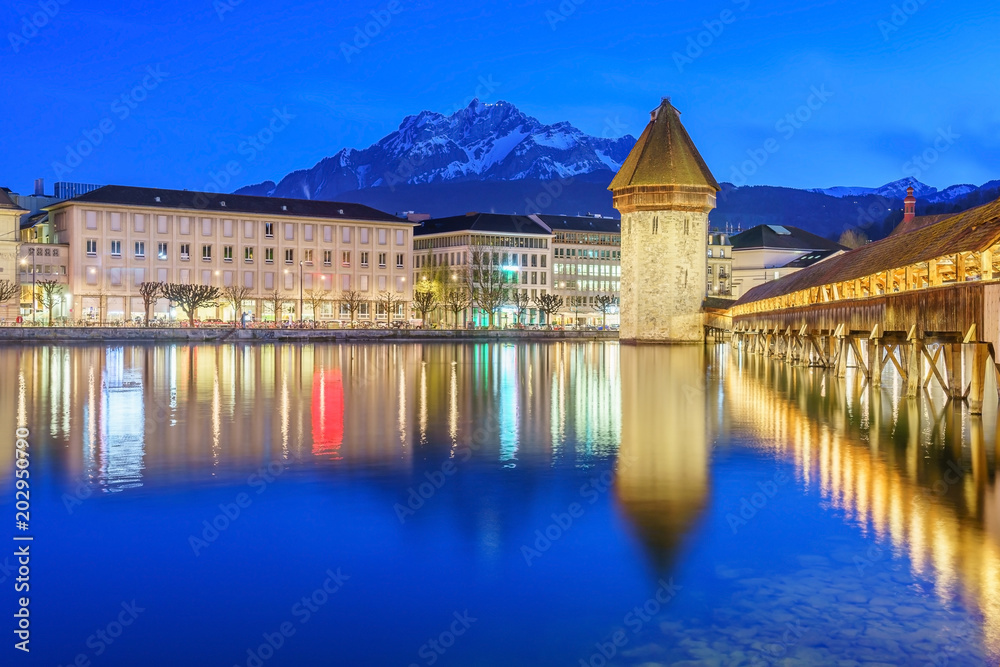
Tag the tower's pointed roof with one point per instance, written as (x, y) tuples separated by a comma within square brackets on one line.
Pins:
[(664, 155)]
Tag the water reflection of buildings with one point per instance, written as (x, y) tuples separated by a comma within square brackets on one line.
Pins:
[(119, 416), (662, 473), (916, 475)]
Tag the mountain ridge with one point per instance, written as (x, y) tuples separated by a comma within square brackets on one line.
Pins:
[(495, 158)]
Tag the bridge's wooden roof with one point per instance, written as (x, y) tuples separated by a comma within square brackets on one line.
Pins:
[(974, 230)]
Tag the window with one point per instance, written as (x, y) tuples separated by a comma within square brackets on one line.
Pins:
[(289, 231), (381, 260), (92, 247), (307, 232), (161, 250), (185, 251), (710, 270), (116, 248), (269, 255), (656, 224), (206, 253), (543, 261), (364, 260), (382, 236), (345, 258), (248, 255), (227, 228), (400, 237), (710, 253), (399, 260), (139, 223), (364, 232), (269, 230), (91, 219), (543, 277), (534, 260), (185, 226), (289, 256), (140, 250), (345, 234), (327, 257), (227, 253), (307, 256), (206, 226)]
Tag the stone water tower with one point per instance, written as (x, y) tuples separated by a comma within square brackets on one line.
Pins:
[(664, 192)]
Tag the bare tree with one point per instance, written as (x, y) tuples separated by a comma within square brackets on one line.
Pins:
[(315, 297), (853, 238), (353, 299), (520, 300), (548, 304), (388, 302), (191, 297), (236, 296), (456, 299), (273, 300), (50, 291), (8, 290), (149, 292), (487, 280), (605, 303), (426, 296)]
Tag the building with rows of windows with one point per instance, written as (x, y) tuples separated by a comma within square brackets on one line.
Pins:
[(586, 260), (446, 250), (119, 237)]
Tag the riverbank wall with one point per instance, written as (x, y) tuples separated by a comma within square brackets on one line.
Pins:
[(53, 335)]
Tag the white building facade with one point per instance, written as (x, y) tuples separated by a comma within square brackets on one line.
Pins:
[(119, 237)]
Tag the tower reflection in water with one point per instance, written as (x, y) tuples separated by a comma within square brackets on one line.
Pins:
[(662, 477)]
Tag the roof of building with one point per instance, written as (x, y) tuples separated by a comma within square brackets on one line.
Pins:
[(717, 303), (974, 230), (781, 237), (125, 195), (810, 258), (664, 155), (566, 223), (500, 223), (29, 221), (920, 222), (7, 202)]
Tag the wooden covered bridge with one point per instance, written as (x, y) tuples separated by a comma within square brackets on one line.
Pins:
[(927, 301)]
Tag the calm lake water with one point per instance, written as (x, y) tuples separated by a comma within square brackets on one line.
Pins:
[(493, 505)]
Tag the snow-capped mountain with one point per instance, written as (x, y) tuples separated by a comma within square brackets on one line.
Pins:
[(894, 190), (483, 142), (897, 190)]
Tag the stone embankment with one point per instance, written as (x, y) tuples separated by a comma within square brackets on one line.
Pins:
[(47, 335)]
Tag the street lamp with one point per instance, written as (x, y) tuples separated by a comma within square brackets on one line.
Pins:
[(31, 251)]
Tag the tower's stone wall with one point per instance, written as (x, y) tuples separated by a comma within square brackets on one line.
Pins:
[(664, 273)]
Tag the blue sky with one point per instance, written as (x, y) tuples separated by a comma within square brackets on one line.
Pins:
[(886, 80)]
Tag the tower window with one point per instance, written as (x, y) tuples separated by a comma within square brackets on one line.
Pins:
[(687, 224), (656, 224)]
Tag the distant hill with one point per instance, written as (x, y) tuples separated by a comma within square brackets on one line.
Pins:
[(494, 158)]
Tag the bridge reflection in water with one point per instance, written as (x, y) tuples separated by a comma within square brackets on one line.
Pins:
[(916, 474)]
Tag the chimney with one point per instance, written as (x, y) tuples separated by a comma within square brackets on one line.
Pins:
[(40, 187), (909, 206)]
